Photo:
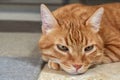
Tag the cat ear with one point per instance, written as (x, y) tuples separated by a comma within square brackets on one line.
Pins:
[(48, 20), (95, 20)]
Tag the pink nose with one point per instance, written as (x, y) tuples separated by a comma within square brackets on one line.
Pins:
[(77, 66)]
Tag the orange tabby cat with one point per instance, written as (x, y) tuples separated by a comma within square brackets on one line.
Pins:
[(77, 36)]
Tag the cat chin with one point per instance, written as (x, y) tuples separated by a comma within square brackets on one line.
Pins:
[(82, 71), (76, 73)]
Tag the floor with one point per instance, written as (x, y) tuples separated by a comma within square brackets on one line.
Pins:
[(19, 56), (19, 44)]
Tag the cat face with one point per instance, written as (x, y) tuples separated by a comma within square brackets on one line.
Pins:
[(74, 47)]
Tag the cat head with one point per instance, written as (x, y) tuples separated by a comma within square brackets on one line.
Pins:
[(73, 45)]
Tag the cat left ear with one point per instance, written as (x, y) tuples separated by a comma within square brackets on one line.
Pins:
[(95, 20), (48, 20)]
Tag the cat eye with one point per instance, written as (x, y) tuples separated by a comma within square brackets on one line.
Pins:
[(62, 48), (88, 48)]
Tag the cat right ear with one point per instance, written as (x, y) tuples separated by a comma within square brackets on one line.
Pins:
[(48, 20)]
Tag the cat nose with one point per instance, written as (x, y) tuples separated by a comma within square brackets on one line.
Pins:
[(77, 66)]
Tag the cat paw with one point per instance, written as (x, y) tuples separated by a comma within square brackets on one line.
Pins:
[(53, 65)]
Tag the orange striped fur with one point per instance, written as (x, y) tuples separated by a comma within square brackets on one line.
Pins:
[(71, 26)]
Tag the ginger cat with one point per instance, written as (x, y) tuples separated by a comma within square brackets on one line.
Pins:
[(76, 36)]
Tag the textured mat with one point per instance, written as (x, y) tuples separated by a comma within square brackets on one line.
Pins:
[(19, 68), (101, 72)]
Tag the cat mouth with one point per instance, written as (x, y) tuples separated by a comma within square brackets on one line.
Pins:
[(73, 71), (77, 72)]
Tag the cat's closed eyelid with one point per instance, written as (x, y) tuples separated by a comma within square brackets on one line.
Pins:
[(60, 51), (91, 50), (88, 48)]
